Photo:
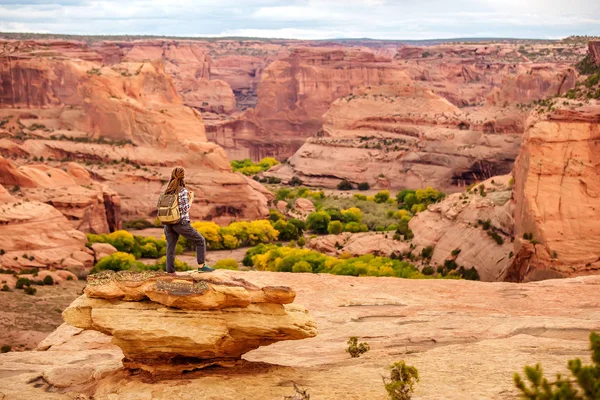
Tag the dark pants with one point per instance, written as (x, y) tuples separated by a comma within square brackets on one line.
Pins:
[(183, 228)]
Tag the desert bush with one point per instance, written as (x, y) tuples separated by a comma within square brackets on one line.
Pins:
[(318, 222), (428, 270), (248, 168), (345, 185), (138, 223), (48, 280), (21, 282), (299, 394), (364, 186), (118, 261), (355, 227), (455, 252), (30, 290), (355, 349), (287, 231), (585, 384), (299, 224), (382, 196), (427, 252), (470, 274), (5, 288), (334, 213), (401, 382), (335, 227), (275, 216), (226, 263), (161, 264), (5, 348), (302, 266), (295, 181), (359, 196), (301, 241)]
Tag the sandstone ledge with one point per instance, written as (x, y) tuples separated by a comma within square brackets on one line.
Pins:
[(170, 324)]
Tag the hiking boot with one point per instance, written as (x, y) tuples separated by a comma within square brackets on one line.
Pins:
[(205, 268)]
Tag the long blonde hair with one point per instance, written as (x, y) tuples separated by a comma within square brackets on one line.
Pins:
[(176, 182)]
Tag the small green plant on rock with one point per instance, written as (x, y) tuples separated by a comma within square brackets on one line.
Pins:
[(5, 288), (585, 384), (356, 349), (401, 382), (5, 348), (48, 280)]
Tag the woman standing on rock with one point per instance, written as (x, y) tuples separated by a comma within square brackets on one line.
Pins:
[(182, 226)]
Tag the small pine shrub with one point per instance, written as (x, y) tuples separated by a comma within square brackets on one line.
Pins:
[(345, 185), (48, 280), (21, 282), (364, 186), (30, 290), (455, 252), (302, 266), (5, 348), (584, 386), (427, 252), (355, 349), (295, 181), (335, 227), (428, 270), (401, 382), (5, 288)]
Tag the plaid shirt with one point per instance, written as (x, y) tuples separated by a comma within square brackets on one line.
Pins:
[(184, 205)]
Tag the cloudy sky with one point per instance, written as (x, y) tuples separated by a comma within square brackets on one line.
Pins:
[(306, 19)]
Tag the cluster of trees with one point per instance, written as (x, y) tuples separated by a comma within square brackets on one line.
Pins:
[(138, 246), (247, 167), (334, 221), (290, 259)]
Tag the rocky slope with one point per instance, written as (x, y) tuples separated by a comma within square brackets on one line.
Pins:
[(490, 330), (405, 136), (125, 121), (557, 194)]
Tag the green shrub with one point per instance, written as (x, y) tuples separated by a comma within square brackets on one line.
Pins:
[(302, 241), (427, 252), (359, 196), (382, 196), (30, 290), (48, 280), (5, 348), (585, 384), (302, 266), (355, 227), (287, 231), (355, 349), (275, 216), (5, 288), (69, 278), (364, 186), (427, 270), (345, 185), (226, 263), (335, 227), (295, 181), (470, 274), (118, 261), (497, 238), (21, 282), (334, 213), (137, 224), (455, 252), (401, 382), (318, 222), (299, 224)]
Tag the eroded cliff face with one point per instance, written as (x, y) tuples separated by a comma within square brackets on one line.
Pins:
[(557, 195), (405, 136), (594, 50), (127, 123)]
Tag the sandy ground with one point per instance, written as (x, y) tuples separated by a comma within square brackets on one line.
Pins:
[(467, 339), (25, 320)]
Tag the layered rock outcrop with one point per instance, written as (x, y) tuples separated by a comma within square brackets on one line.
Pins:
[(296, 90), (405, 136), (118, 119), (168, 323), (594, 50), (557, 195)]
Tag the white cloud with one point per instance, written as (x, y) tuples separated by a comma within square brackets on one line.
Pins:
[(307, 19)]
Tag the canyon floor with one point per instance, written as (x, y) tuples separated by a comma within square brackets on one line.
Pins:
[(467, 339)]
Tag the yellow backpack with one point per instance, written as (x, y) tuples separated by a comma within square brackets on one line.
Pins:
[(168, 207)]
